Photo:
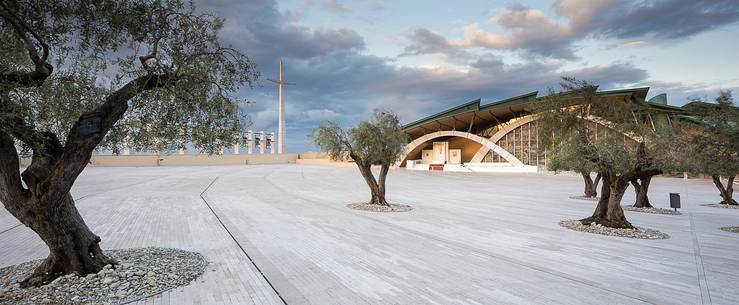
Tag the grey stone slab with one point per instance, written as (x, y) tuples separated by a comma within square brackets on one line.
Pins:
[(470, 239)]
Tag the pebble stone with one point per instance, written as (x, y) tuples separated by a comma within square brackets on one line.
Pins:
[(731, 229), (140, 272), (380, 208), (652, 210), (638, 232), (718, 205), (585, 198)]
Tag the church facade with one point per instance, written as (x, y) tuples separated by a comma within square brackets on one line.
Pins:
[(501, 136)]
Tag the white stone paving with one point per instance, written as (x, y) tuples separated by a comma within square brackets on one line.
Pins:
[(471, 238)]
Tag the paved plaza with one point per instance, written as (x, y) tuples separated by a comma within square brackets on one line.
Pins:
[(279, 234)]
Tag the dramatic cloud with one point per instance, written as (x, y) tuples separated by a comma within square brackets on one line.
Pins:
[(337, 80), (423, 41), (666, 19), (534, 33)]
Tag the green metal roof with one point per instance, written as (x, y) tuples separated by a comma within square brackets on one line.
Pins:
[(659, 101), (464, 108), (516, 100)]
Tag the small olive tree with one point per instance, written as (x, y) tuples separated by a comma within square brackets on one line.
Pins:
[(713, 142), (629, 149), (379, 141)]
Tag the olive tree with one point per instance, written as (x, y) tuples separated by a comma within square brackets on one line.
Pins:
[(70, 73), (561, 159), (713, 142), (379, 141), (628, 148)]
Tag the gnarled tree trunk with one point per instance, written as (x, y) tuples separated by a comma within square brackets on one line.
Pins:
[(727, 193), (44, 203), (73, 248), (377, 187), (608, 212), (591, 186), (641, 188)]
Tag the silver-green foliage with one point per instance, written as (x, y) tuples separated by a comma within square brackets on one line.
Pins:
[(713, 136), (97, 47), (627, 141), (379, 141)]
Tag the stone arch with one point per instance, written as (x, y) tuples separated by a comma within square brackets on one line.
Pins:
[(528, 119), (486, 144), (499, 135)]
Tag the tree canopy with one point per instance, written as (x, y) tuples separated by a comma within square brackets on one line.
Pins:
[(712, 141), (627, 145), (378, 141), (77, 75), (713, 136), (71, 55)]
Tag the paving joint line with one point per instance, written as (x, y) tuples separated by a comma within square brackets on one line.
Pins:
[(237, 242), (700, 268), (18, 225), (473, 249)]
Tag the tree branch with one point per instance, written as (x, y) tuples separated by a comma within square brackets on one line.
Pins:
[(89, 131), (11, 188), (42, 69)]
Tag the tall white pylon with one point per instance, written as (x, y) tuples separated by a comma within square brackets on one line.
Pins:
[(281, 113)]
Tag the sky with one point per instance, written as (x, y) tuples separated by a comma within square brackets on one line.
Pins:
[(417, 57)]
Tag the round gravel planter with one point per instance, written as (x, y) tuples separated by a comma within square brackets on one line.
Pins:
[(731, 229), (585, 198), (379, 208), (641, 233), (652, 210), (718, 205), (140, 273)]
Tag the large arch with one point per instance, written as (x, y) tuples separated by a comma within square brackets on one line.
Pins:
[(486, 144), (530, 118), (499, 135)]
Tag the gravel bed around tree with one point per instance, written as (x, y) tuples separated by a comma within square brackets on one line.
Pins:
[(140, 272), (379, 208), (585, 198), (718, 205), (651, 210), (731, 229), (641, 233)]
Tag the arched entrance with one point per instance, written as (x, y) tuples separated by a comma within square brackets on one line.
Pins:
[(416, 144)]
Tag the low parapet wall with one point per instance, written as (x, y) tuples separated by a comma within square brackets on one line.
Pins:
[(191, 160), (326, 162)]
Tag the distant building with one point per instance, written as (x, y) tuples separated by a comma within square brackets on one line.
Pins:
[(500, 136)]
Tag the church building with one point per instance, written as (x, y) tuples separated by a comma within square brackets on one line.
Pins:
[(500, 136)]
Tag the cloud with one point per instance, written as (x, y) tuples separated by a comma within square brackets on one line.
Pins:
[(372, 4), (334, 6), (666, 19), (336, 80), (533, 33), (321, 115), (680, 93), (424, 41)]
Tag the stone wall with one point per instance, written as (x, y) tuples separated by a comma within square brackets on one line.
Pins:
[(185, 160)]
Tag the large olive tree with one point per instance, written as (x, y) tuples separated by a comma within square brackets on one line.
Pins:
[(712, 137), (628, 148), (379, 141), (70, 72)]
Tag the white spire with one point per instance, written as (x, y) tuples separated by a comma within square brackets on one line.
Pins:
[(281, 113)]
